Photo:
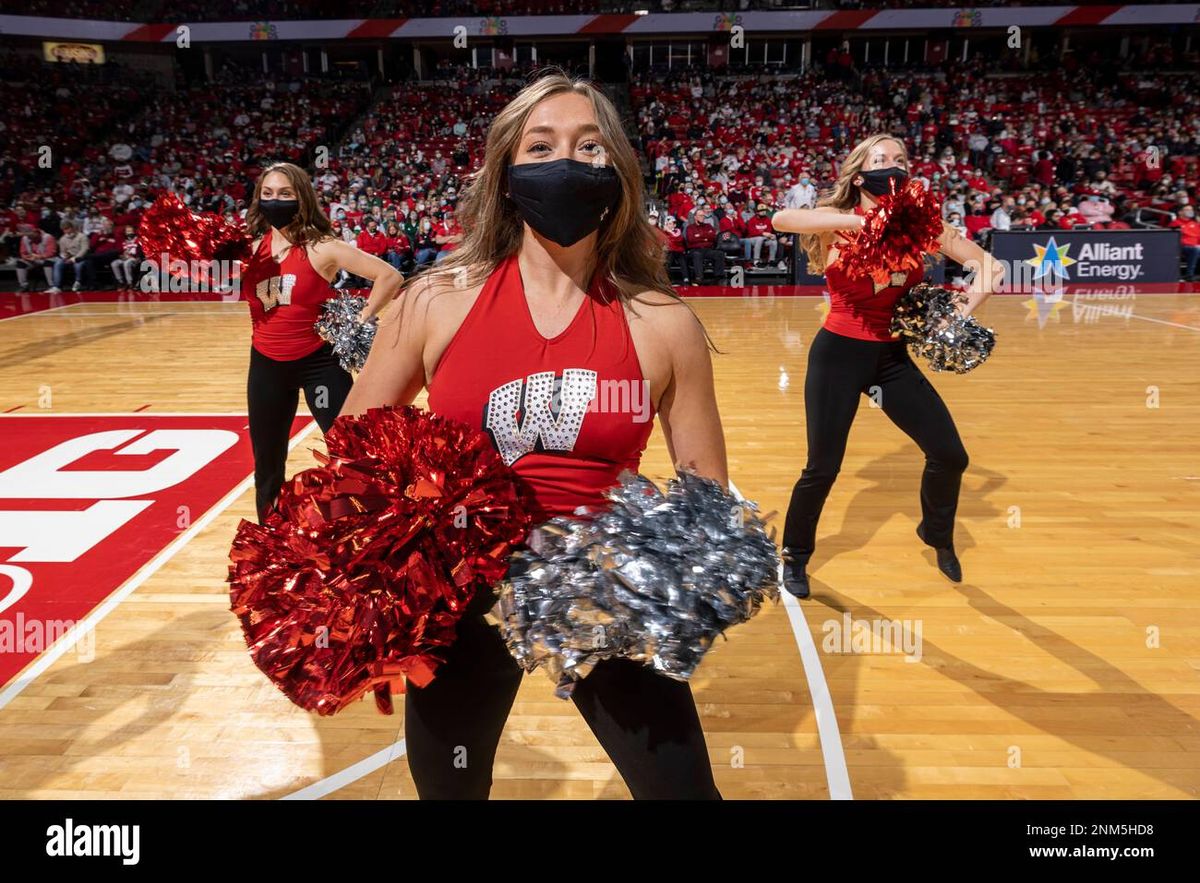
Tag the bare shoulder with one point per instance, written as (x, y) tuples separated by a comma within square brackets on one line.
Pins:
[(434, 307), (667, 319), (328, 247)]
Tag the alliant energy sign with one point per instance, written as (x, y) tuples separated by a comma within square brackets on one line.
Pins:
[(1057, 258)]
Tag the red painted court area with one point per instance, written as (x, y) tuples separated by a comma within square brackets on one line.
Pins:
[(88, 500)]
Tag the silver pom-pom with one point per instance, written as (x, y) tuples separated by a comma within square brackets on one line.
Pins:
[(340, 326), (654, 577), (927, 317)]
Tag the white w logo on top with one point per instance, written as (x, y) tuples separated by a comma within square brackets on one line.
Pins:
[(552, 419), (275, 290)]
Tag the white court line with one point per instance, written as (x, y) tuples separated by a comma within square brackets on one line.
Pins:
[(352, 773), (36, 313), (1149, 319), (836, 773), (59, 647)]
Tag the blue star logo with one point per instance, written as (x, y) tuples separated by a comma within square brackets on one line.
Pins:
[(1051, 260)]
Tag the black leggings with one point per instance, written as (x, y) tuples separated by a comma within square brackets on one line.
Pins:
[(273, 394), (840, 369), (646, 721)]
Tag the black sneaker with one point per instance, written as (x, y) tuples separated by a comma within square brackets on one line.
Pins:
[(793, 577)]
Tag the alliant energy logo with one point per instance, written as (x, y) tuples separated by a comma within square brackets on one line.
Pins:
[(1053, 262)]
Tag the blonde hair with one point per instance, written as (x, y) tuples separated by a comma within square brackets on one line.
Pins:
[(629, 253), (843, 196)]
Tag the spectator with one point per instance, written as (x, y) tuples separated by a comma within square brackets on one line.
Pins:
[(759, 231), (371, 240), (37, 249), (398, 252), (72, 250), (447, 234), (802, 195), (1189, 240), (102, 252), (426, 244), (672, 237), (1043, 169), (124, 268), (979, 219), (700, 237), (1002, 217), (1095, 211)]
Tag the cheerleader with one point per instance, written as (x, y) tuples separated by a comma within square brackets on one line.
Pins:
[(295, 258), (557, 292), (854, 352)]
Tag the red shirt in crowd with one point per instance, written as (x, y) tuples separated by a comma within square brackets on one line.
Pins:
[(1189, 231), (1043, 172), (372, 243), (673, 238), (447, 228), (104, 242), (700, 235), (731, 223), (759, 226)]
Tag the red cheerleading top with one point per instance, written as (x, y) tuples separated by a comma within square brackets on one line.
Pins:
[(567, 413), (285, 301), (857, 310)]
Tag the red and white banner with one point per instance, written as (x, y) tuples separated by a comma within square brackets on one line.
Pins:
[(613, 23), (88, 501)]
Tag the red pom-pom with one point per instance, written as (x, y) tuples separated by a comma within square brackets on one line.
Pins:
[(169, 227), (361, 573), (897, 233)]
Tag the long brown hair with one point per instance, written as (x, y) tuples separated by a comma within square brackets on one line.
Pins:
[(310, 224), (844, 196), (629, 253)]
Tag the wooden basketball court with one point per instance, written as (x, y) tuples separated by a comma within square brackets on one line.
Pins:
[(1066, 665)]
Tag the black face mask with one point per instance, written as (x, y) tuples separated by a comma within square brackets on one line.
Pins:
[(878, 182), (279, 212), (563, 200)]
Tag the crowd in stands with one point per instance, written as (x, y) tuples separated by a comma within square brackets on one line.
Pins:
[(205, 142), (389, 180), (403, 163), (1056, 148)]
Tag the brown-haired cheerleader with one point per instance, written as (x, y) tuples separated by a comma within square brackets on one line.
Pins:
[(295, 257)]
